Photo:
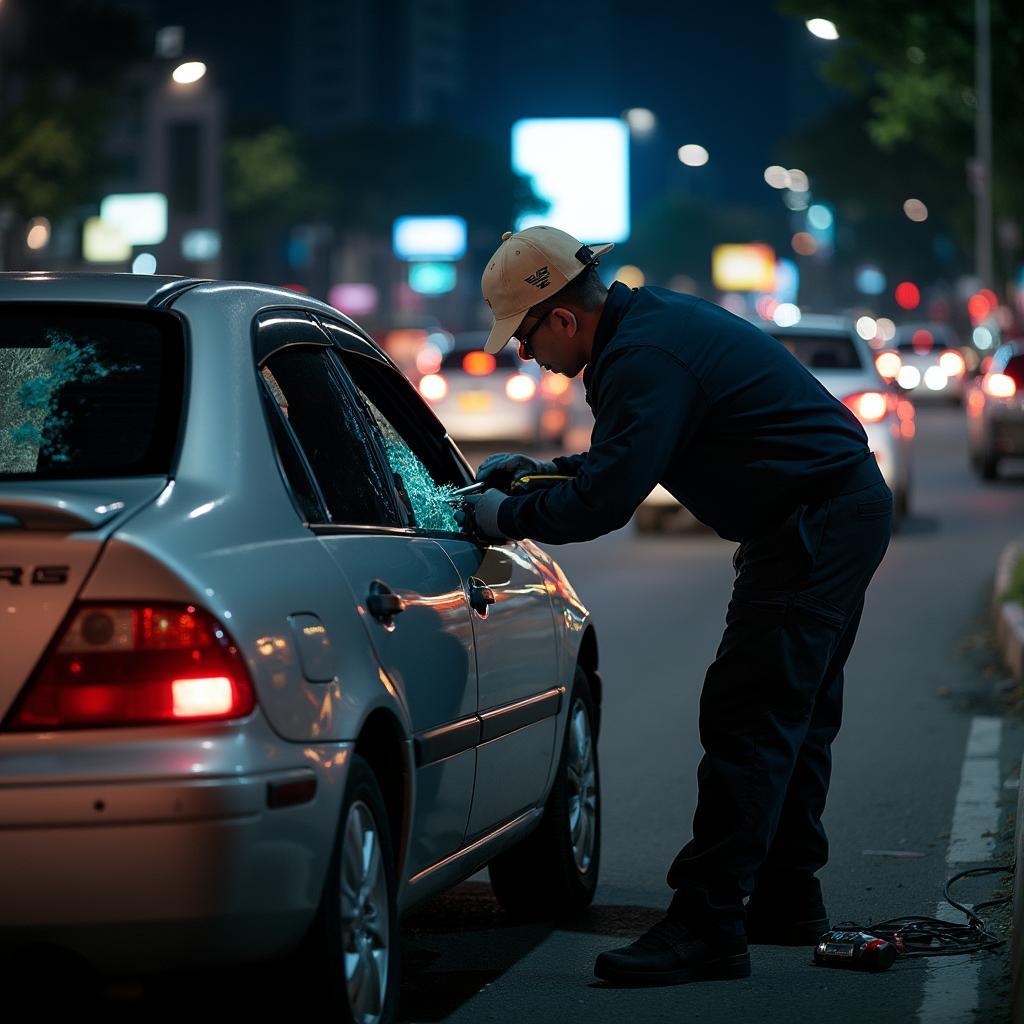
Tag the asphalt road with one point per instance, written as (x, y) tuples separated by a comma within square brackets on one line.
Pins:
[(920, 673), (921, 676)]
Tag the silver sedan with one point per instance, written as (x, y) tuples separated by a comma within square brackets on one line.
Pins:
[(259, 694)]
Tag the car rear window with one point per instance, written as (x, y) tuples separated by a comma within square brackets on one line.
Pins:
[(506, 359), (823, 351), (88, 392)]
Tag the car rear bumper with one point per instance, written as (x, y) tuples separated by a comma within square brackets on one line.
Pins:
[(166, 873)]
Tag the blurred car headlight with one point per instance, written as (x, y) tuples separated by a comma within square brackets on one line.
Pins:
[(908, 377), (433, 387), (520, 387), (952, 364), (888, 364), (935, 378)]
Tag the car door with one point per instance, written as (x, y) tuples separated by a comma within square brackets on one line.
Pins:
[(414, 606), (513, 625)]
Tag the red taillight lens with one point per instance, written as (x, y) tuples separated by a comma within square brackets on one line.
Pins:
[(117, 665), (999, 385), (868, 406), (479, 364)]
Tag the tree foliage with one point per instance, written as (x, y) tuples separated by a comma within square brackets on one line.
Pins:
[(909, 69), (63, 65)]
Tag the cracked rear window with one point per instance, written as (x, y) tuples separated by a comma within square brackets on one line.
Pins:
[(88, 392)]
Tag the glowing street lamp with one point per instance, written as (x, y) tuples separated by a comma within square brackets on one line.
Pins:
[(822, 28), (189, 72)]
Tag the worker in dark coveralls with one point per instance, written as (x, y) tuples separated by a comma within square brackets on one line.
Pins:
[(688, 396)]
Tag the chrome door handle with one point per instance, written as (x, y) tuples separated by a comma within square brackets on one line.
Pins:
[(480, 595), (383, 603)]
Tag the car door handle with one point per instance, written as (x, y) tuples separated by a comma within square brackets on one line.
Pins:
[(480, 595), (383, 603)]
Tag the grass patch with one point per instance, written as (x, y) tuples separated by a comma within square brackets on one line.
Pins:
[(1015, 588)]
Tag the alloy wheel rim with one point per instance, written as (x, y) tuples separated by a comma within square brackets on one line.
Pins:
[(582, 788), (364, 915)]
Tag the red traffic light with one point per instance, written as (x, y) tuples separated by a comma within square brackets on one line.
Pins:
[(908, 295)]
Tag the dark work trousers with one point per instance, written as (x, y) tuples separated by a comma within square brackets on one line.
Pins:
[(772, 703)]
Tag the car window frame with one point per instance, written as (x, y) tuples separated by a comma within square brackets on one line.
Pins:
[(416, 413), (306, 333)]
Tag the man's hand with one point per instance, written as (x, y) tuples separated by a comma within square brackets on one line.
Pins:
[(502, 469), (479, 515)]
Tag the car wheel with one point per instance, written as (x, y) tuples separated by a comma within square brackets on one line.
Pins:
[(650, 519), (353, 945), (553, 871)]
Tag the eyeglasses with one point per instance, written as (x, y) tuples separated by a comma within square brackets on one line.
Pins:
[(524, 340)]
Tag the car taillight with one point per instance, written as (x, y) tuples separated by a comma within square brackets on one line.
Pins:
[(520, 387), (888, 364), (868, 406), (138, 664), (433, 387), (999, 385), (479, 364), (952, 364), (553, 385)]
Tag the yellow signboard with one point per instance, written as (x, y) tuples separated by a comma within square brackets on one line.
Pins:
[(743, 268)]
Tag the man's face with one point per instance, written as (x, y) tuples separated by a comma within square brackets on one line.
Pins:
[(554, 340)]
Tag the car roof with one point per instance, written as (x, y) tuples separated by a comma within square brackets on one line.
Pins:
[(130, 289)]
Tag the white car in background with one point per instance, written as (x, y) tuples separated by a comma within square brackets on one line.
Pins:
[(931, 364), (494, 399), (259, 693), (835, 353)]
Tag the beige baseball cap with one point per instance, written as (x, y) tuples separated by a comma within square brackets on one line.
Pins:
[(529, 266)]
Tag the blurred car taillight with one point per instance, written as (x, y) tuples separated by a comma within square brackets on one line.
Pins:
[(433, 387), (520, 388), (138, 664), (479, 364), (952, 364), (868, 406), (553, 385), (999, 385), (888, 364), (428, 359)]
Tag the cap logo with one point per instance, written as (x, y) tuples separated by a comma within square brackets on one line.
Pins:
[(540, 278)]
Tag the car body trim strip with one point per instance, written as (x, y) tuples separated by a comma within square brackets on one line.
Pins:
[(533, 812), (499, 721), (447, 740), (456, 737)]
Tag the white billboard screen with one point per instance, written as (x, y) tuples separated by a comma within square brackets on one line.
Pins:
[(580, 165)]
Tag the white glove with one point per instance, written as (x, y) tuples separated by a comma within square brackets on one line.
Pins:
[(479, 515)]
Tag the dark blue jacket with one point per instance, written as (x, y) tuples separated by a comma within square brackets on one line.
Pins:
[(689, 396)]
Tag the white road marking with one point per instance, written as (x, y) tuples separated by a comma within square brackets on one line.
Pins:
[(951, 984)]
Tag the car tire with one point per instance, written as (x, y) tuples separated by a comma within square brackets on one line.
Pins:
[(354, 939), (650, 519), (553, 871)]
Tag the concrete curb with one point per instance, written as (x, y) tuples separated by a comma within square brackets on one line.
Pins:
[(1009, 623)]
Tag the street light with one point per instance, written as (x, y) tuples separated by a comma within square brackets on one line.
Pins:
[(189, 72), (822, 28), (692, 155), (641, 121)]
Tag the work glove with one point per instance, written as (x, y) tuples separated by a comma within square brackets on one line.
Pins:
[(502, 469), (478, 515)]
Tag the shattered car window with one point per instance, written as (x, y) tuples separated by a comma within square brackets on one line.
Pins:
[(431, 503), (87, 395)]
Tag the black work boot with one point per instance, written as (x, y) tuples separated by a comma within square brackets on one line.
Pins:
[(791, 914), (672, 953)]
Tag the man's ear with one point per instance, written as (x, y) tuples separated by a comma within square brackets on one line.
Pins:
[(567, 318)]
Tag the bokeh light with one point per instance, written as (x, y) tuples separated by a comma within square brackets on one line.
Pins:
[(915, 210), (776, 176), (693, 155), (908, 295), (786, 314), (804, 244), (867, 327)]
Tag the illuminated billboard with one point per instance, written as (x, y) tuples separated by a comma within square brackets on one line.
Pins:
[(141, 217), (429, 238), (743, 268), (580, 165)]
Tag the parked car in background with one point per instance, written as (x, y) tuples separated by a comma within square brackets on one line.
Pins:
[(260, 695), (497, 399), (995, 411), (930, 366)]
